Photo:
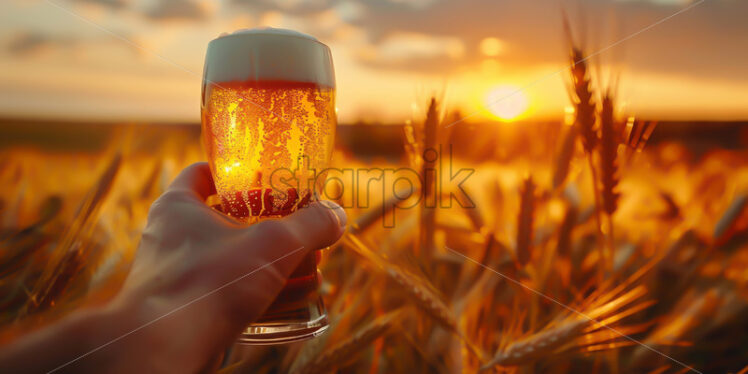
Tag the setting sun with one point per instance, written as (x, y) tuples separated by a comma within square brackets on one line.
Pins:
[(374, 180), (507, 103)]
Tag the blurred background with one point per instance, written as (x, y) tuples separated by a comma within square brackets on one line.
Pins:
[(140, 61), (99, 109)]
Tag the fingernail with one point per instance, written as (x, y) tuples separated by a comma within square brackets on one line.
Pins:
[(337, 210)]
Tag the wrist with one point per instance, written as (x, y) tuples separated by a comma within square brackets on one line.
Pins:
[(101, 330), (73, 344), (97, 328)]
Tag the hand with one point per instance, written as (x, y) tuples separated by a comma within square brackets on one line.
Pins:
[(199, 277), (189, 250)]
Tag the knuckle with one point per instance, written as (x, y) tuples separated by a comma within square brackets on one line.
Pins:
[(165, 199), (166, 203), (327, 216), (195, 165), (327, 224), (174, 196), (158, 209), (278, 233)]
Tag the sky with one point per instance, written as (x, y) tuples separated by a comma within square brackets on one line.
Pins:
[(142, 60)]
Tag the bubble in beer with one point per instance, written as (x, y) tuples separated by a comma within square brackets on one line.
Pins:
[(267, 114)]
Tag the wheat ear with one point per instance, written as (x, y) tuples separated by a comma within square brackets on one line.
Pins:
[(345, 351), (525, 222)]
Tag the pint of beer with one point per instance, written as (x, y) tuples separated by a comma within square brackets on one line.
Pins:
[(268, 109)]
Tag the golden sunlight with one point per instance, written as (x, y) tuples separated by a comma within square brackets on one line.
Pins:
[(507, 103), (491, 47)]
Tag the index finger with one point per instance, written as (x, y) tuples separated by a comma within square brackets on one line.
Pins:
[(195, 179)]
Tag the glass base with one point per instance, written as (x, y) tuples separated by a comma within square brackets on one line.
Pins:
[(270, 331), (280, 333)]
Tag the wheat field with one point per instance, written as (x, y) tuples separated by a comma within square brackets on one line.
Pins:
[(587, 249)]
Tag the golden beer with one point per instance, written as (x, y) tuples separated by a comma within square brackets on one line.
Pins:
[(268, 110)]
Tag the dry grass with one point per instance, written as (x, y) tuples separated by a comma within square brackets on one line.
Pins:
[(525, 222), (399, 300), (345, 351), (609, 136), (462, 317)]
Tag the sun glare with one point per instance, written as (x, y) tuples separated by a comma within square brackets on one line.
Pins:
[(507, 103)]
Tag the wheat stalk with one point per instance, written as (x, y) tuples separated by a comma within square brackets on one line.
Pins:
[(429, 302), (428, 191), (585, 121), (609, 169), (638, 135), (538, 345), (72, 252), (148, 187), (21, 246), (727, 223), (345, 351), (525, 222), (583, 98), (375, 214), (602, 311), (565, 231), (608, 156), (425, 295), (564, 156)]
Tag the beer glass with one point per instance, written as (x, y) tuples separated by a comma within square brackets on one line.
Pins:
[(268, 105)]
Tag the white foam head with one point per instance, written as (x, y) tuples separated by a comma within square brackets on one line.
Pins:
[(268, 54)]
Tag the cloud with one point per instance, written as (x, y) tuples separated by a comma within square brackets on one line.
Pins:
[(113, 4), (291, 7), (415, 50), (443, 36), (700, 41), (34, 43), (185, 10), (160, 10), (30, 43)]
